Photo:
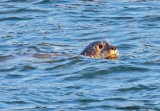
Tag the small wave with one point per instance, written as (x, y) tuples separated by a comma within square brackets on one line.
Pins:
[(23, 10), (87, 73), (27, 68), (128, 69), (8, 69), (13, 76), (152, 18), (135, 107), (43, 2), (14, 19), (5, 58), (138, 87), (122, 18), (18, 0)]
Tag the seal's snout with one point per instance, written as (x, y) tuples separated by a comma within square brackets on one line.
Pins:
[(113, 52)]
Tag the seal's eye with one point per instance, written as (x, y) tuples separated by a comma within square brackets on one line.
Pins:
[(100, 46)]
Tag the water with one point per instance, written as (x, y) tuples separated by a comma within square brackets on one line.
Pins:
[(73, 83)]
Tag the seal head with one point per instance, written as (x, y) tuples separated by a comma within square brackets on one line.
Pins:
[(100, 49)]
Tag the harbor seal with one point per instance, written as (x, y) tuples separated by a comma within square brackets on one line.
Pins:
[(97, 49), (100, 49)]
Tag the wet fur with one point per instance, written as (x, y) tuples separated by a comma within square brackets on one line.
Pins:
[(98, 49)]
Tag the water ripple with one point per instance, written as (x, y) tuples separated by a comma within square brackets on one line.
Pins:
[(40, 66), (14, 19), (129, 69)]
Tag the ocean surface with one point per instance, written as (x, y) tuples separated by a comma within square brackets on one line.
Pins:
[(67, 81)]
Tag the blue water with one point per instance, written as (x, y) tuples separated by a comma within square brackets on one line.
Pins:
[(75, 83)]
